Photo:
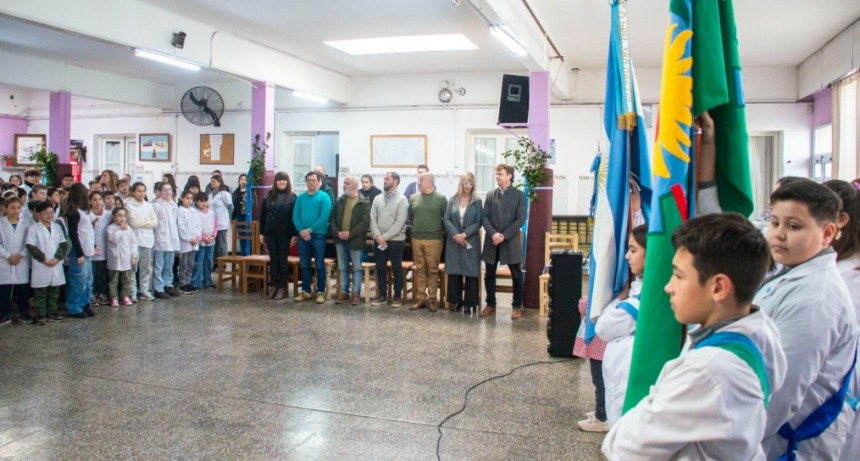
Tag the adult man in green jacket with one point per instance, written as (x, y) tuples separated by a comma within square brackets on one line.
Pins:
[(349, 223)]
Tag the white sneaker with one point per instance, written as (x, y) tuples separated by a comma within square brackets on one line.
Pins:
[(592, 424), (590, 414)]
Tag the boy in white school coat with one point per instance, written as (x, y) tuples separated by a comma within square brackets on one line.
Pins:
[(710, 402), (809, 303), (47, 245), (14, 263)]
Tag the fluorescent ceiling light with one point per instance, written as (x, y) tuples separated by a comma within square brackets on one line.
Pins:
[(403, 44), (166, 59), (310, 97), (508, 39)]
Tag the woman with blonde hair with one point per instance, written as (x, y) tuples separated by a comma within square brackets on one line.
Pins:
[(109, 180), (462, 222)]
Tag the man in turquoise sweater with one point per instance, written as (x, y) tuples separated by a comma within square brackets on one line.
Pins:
[(311, 213)]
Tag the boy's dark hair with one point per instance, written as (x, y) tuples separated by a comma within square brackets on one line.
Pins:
[(848, 243), (640, 235), (68, 175), (201, 197), (32, 172), (787, 180), (31, 205), (94, 193), (121, 182), (35, 189), (44, 205), (11, 200), (94, 181), (394, 176), (314, 173), (136, 185), (716, 241), (823, 203)]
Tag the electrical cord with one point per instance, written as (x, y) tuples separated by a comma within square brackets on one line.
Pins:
[(466, 397)]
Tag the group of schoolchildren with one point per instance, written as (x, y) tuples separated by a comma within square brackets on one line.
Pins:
[(106, 245), (767, 365)]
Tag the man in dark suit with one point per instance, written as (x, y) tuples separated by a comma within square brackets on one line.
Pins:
[(503, 216)]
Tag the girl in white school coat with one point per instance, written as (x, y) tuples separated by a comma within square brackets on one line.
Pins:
[(14, 263), (46, 244), (166, 241), (618, 324), (79, 225), (101, 220), (809, 303), (142, 218), (122, 257)]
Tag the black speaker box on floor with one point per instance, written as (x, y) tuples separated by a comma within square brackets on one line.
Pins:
[(514, 105), (565, 289)]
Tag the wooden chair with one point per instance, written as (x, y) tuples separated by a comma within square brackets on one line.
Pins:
[(553, 242), (241, 231)]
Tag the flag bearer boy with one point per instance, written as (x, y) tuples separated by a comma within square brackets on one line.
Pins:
[(809, 303), (710, 403)]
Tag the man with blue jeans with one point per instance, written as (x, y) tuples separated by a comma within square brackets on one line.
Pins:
[(350, 220), (311, 213)]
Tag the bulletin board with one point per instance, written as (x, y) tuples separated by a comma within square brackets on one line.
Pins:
[(398, 150), (217, 149)]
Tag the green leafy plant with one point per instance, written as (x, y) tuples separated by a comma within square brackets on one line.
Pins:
[(529, 161), (47, 162), (258, 160)]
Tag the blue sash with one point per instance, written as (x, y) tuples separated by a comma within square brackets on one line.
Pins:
[(744, 349), (627, 307), (818, 420)]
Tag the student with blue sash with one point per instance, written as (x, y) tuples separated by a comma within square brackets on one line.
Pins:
[(809, 303), (710, 403), (618, 324)]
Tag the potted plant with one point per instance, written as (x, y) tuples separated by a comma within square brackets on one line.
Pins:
[(258, 160), (529, 161), (47, 162), (9, 160)]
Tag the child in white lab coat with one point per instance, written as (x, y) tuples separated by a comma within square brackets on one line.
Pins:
[(46, 243), (618, 324), (710, 402), (142, 218), (208, 233), (809, 303), (14, 263), (166, 241), (101, 220), (189, 240), (122, 257)]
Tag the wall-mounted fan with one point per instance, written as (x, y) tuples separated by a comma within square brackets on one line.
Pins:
[(202, 106)]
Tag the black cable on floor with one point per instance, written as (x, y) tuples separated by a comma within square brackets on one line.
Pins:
[(466, 397)]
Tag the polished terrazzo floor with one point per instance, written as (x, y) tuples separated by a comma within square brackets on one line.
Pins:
[(231, 377)]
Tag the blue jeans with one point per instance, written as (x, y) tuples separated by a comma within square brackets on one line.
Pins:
[(203, 267), (313, 248), (344, 257), (162, 263), (80, 288)]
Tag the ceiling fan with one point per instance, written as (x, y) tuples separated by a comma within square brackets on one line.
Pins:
[(202, 106)]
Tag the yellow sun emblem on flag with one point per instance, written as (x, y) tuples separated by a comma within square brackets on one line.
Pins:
[(676, 101)]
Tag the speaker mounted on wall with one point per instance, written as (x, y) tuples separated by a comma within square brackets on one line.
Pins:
[(514, 104)]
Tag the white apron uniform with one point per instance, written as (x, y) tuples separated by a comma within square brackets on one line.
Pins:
[(166, 233), (810, 306), (48, 242), (616, 326), (13, 242), (189, 229), (849, 268), (122, 246), (706, 405)]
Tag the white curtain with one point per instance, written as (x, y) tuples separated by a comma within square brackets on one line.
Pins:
[(846, 127), (761, 151)]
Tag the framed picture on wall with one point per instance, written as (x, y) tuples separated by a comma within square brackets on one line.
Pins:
[(27, 145), (154, 147)]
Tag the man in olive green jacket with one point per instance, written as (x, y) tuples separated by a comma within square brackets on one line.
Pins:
[(349, 223)]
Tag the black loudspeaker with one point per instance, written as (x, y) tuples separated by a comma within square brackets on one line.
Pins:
[(565, 289), (514, 105)]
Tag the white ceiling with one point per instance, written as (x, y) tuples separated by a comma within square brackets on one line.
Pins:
[(770, 32)]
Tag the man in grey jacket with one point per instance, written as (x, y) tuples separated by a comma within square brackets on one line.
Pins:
[(388, 226), (503, 215)]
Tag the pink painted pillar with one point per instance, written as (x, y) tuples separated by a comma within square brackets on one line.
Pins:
[(540, 213), (60, 125), (262, 122), (263, 117)]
